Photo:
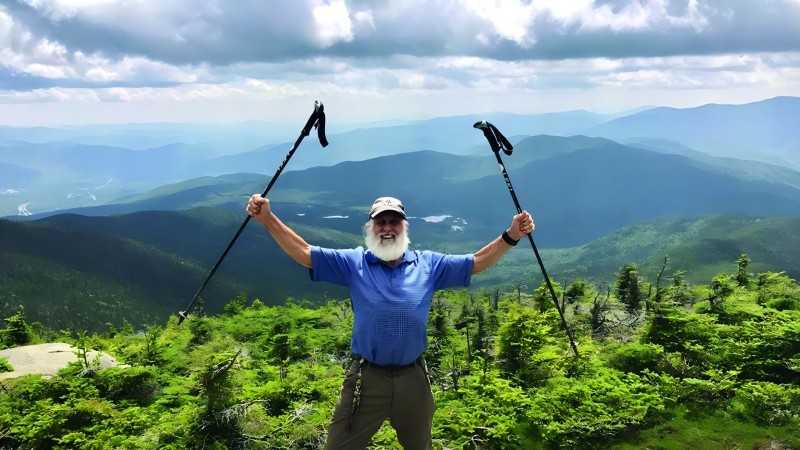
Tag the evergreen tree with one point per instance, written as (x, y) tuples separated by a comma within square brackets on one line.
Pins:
[(542, 298), (481, 336), (679, 293), (522, 336), (577, 290), (742, 277), (722, 286), (151, 353), (17, 331), (439, 332), (628, 290)]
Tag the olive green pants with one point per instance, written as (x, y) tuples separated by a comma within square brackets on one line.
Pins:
[(401, 395)]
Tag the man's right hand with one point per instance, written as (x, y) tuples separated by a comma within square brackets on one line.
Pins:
[(258, 208)]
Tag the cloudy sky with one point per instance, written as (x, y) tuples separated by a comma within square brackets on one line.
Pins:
[(100, 61)]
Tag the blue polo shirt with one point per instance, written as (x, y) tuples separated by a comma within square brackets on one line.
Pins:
[(390, 304)]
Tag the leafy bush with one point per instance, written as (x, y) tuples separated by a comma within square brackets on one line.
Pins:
[(136, 384), (485, 412), (17, 330), (765, 349), (200, 328), (5, 366), (588, 413), (636, 357), (715, 388), (693, 335), (768, 403), (784, 304), (522, 337)]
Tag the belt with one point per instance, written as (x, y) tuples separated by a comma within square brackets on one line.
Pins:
[(389, 367)]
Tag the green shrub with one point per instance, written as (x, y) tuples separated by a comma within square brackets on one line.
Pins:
[(768, 403), (136, 384), (695, 336), (200, 327), (522, 337), (588, 413), (5, 366), (716, 388), (636, 357), (487, 409), (17, 330), (765, 349), (784, 304)]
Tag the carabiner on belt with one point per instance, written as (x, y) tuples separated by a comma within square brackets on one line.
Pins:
[(356, 394)]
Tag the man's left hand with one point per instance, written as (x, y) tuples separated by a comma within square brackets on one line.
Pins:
[(521, 225)]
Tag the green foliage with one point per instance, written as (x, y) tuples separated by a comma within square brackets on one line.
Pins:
[(768, 403), (722, 286), (711, 390), (679, 292), (439, 331), (766, 348), (522, 337), (742, 277), (486, 412), (578, 290), (151, 348), (215, 423), (5, 366), (691, 335), (637, 357), (200, 328), (235, 305), (542, 297), (518, 387), (628, 290), (588, 413), (138, 385), (17, 330), (778, 289)]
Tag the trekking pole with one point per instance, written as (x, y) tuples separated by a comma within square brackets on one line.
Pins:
[(316, 120), (499, 142)]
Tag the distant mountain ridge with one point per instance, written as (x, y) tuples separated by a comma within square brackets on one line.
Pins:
[(582, 188), (74, 161), (763, 131)]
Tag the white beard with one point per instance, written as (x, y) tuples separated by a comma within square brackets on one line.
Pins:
[(386, 249)]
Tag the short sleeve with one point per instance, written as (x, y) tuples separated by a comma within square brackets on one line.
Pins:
[(334, 266), (451, 270)]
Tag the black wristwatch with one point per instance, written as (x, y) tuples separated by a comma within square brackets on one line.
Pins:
[(508, 240)]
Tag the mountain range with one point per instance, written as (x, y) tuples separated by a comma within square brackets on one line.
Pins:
[(762, 131), (74, 162), (119, 232)]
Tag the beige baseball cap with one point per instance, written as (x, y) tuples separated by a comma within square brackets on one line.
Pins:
[(383, 204)]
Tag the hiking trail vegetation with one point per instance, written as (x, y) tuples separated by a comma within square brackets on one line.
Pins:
[(664, 364)]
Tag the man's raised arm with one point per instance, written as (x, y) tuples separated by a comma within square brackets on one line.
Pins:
[(488, 256), (290, 242)]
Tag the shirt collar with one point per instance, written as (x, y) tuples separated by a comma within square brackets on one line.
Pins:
[(409, 256)]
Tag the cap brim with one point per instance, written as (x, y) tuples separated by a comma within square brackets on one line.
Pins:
[(383, 209)]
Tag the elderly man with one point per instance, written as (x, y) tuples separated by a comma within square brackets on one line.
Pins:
[(390, 289)]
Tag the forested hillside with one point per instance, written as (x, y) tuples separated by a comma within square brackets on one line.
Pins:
[(75, 271), (663, 364)]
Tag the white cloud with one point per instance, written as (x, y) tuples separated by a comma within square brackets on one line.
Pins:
[(332, 21), (511, 19), (365, 18)]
